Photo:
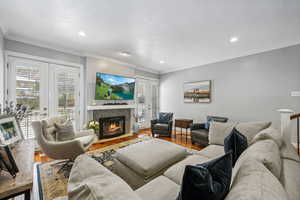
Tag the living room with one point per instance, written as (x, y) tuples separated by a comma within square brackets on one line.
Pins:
[(149, 100)]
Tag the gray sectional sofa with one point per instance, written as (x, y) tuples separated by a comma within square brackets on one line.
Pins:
[(268, 169)]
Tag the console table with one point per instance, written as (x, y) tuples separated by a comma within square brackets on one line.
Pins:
[(183, 123), (11, 187)]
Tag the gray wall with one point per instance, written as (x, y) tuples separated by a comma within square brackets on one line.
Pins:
[(244, 89), (1, 67), (21, 47), (94, 65)]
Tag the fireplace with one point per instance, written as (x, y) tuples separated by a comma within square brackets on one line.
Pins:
[(111, 127)]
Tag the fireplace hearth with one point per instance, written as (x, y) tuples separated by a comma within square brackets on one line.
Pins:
[(111, 127)]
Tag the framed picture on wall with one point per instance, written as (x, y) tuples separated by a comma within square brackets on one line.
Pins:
[(197, 92)]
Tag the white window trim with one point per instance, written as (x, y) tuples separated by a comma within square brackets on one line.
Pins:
[(49, 61)]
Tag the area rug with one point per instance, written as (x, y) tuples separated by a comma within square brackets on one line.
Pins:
[(52, 184)]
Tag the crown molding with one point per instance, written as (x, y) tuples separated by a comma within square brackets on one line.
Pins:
[(42, 44), (229, 58), (77, 53), (121, 63)]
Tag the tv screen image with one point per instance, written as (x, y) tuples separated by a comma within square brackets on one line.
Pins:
[(114, 87)]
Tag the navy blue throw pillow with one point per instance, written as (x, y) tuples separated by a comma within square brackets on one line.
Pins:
[(235, 142), (210, 180)]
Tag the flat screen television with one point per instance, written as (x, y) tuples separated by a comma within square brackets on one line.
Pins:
[(114, 87)]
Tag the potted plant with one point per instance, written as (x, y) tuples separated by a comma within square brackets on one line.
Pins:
[(93, 124)]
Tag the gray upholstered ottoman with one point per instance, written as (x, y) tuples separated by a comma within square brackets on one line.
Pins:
[(140, 163)]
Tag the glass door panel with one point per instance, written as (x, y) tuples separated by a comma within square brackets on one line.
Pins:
[(67, 82), (147, 101), (28, 87)]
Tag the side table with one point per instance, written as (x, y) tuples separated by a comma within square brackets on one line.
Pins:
[(10, 187), (183, 123)]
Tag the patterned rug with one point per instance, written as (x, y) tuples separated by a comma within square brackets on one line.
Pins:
[(52, 184)]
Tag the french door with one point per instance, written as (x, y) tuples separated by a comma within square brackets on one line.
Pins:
[(48, 89), (147, 101)]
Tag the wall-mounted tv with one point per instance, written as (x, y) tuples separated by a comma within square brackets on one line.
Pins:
[(114, 87)]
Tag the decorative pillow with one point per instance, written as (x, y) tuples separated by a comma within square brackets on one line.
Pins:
[(210, 119), (265, 152), (218, 131), (64, 131), (236, 143), (209, 180), (269, 133), (250, 129), (49, 132)]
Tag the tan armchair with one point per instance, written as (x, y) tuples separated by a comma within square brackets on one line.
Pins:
[(70, 149)]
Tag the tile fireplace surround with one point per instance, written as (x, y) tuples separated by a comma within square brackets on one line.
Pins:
[(103, 113)]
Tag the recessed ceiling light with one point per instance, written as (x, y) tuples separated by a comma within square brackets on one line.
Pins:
[(125, 54), (161, 62), (234, 39), (81, 33)]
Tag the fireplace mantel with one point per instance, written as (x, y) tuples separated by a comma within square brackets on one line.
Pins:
[(110, 107)]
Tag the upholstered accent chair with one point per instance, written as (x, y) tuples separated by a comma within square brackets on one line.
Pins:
[(44, 131), (163, 125), (199, 131)]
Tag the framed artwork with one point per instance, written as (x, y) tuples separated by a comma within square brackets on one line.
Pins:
[(10, 131), (197, 92), (7, 161)]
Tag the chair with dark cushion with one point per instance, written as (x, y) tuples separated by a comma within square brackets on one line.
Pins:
[(163, 125), (199, 131)]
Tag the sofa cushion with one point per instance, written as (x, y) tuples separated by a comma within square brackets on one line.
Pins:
[(290, 178), (250, 129), (210, 180), (200, 133), (86, 140), (255, 182), (160, 126), (268, 133), (91, 181), (288, 151), (160, 188), (210, 119), (149, 157), (218, 131), (64, 131), (175, 173), (265, 152), (212, 151), (236, 143), (49, 133)]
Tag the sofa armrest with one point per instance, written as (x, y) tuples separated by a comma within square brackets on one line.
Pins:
[(86, 132), (154, 121), (64, 150), (170, 124), (196, 126)]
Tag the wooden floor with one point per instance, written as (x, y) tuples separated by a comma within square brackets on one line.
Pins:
[(180, 139)]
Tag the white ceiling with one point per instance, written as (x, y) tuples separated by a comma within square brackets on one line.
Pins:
[(183, 33)]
